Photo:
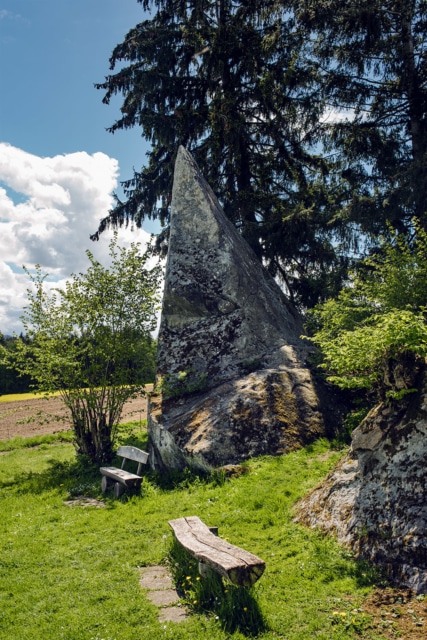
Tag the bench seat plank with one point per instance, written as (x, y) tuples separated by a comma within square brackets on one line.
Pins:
[(125, 477), (121, 476), (239, 566)]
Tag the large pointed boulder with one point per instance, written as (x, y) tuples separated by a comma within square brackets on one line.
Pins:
[(231, 363)]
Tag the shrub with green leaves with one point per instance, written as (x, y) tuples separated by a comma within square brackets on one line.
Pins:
[(91, 342), (374, 334)]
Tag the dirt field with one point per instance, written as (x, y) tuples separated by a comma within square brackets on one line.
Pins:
[(40, 416)]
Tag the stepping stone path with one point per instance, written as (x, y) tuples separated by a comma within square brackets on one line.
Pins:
[(157, 581), (83, 501)]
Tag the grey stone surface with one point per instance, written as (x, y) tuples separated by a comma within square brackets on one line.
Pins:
[(228, 329), (220, 307), (156, 577), (172, 614), (157, 580), (163, 598), (375, 501)]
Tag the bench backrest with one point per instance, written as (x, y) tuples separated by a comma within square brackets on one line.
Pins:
[(132, 453)]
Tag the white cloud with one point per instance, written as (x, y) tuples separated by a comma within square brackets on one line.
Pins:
[(48, 209), (332, 115), (5, 14)]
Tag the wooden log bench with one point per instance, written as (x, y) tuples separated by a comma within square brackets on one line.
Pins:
[(124, 479), (237, 565)]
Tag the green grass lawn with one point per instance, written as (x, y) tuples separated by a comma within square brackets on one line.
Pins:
[(72, 572)]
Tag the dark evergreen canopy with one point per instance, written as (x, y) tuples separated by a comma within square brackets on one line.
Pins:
[(229, 81), (373, 59)]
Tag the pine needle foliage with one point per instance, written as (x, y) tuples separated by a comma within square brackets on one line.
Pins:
[(230, 81), (374, 79)]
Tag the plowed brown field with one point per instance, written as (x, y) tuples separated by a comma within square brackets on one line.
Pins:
[(39, 416)]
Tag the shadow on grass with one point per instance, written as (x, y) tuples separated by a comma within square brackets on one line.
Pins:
[(79, 477), (186, 479), (235, 608)]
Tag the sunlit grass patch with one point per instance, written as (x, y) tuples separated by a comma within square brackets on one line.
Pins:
[(71, 572), (19, 442)]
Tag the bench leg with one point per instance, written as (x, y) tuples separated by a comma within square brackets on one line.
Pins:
[(205, 571), (118, 489), (105, 482)]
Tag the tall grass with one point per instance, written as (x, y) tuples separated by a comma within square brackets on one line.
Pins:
[(71, 573)]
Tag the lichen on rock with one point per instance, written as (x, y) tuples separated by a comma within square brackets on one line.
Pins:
[(231, 361), (375, 501)]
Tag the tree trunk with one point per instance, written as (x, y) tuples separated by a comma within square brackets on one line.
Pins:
[(416, 106)]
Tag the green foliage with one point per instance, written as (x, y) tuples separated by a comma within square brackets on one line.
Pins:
[(233, 83), (91, 342), (373, 79), (375, 331), (248, 88), (70, 572), (235, 607), (183, 383), (352, 420), (10, 380)]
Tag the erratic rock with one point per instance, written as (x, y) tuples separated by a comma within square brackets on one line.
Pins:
[(375, 501), (231, 364)]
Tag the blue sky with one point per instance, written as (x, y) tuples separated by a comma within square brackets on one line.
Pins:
[(52, 53), (58, 164)]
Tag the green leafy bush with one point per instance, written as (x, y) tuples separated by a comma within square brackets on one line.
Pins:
[(91, 342), (374, 334)]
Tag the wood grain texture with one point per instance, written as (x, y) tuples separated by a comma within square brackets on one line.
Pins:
[(132, 453), (237, 565), (125, 477)]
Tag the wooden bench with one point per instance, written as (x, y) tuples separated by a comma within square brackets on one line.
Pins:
[(235, 564), (124, 479)]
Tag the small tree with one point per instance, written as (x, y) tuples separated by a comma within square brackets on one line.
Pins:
[(91, 342), (374, 334)]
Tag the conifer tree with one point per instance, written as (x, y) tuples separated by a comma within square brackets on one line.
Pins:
[(373, 57), (230, 82)]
